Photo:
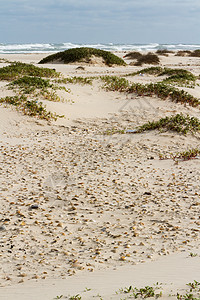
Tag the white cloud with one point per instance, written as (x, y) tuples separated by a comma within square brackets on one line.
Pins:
[(111, 20)]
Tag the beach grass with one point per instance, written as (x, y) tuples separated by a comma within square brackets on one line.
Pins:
[(160, 89), (18, 69), (178, 123)]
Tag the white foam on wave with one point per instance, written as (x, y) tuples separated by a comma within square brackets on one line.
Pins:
[(53, 47)]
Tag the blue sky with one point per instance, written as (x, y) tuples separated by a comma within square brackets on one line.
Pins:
[(93, 21)]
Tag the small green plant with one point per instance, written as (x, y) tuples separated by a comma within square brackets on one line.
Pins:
[(29, 107), (76, 297), (146, 292), (194, 287), (87, 290), (178, 123), (59, 297), (29, 84), (193, 254), (115, 83), (184, 155), (37, 87), (187, 155), (75, 80)]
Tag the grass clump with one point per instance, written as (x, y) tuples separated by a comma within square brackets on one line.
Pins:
[(182, 156), (83, 53), (133, 55), (115, 83), (75, 80), (193, 293), (163, 52), (38, 87), (29, 84), (183, 53), (178, 76), (18, 69), (29, 107), (159, 71), (149, 58), (179, 73), (160, 89), (178, 123), (146, 292), (195, 53), (187, 155)]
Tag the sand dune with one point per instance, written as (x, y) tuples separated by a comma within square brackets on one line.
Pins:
[(83, 209)]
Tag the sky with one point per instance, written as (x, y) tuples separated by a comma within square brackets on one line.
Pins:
[(100, 21)]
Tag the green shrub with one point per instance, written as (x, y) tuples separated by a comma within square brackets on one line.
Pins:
[(114, 83), (75, 80), (133, 55), (78, 54), (159, 71), (18, 69), (29, 84), (160, 89), (183, 53), (179, 123), (164, 52), (195, 53), (149, 58), (29, 107)]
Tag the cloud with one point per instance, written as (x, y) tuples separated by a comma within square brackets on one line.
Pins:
[(110, 20)]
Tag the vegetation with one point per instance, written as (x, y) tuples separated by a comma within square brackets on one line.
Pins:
[(164, 52), (193, 293), (149, 58), (29, 107), (75, 80), (146, 292), (183, 53), (115, 83), (160, 89), (184, 155), (83, 53), (17, 69), (159, 71), (151, 71), (195, 53), (30, 85), (178, 123), (180, 77), (133, 55)]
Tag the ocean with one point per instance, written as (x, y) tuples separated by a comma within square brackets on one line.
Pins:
[(53, 47)]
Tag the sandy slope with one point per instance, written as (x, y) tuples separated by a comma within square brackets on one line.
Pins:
[(102, 202)]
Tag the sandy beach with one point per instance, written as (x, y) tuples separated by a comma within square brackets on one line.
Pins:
[(84, 209)]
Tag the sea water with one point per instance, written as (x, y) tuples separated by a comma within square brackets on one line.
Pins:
[(53, 47)]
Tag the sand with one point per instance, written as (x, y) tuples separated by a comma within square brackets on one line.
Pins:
[(83, 209)]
